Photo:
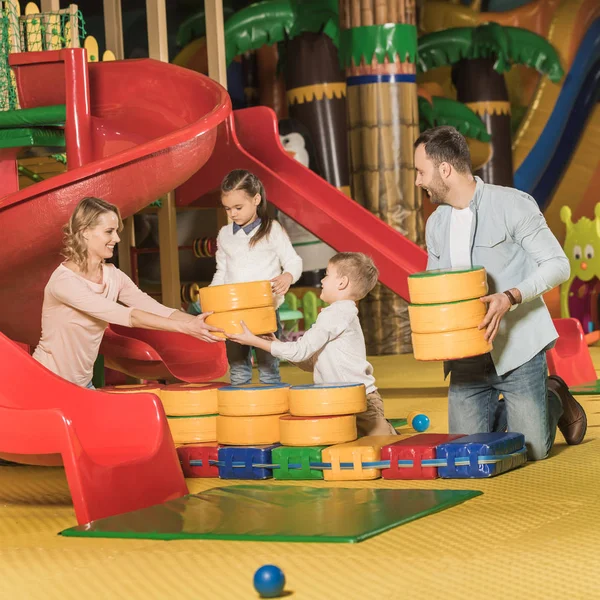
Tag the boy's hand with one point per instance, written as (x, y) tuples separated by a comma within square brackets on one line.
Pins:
[(270, 337), (246, 339), (281, 283)]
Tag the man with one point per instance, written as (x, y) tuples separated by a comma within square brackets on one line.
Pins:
[(503, 230)]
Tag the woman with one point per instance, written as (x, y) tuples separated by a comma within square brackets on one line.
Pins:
[(85, 294)]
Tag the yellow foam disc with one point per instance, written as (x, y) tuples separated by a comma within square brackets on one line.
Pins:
[(248, 431), (366, 449), (433, 318), (327, 399), (187, 399), (135, 388), (441, 286), (317, 431), (258, 320), (236, 296), (252, 399), (450, 345), (188, 430)]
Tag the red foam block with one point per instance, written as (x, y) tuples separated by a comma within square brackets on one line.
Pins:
[(203, 452), (416, 448)]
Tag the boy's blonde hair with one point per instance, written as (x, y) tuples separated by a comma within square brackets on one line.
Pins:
[(359, 269), (86, 215)]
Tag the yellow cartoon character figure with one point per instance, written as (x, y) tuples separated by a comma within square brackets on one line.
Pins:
[(579, 294)]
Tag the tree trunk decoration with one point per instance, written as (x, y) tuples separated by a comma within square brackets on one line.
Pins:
[(484, 91), (378, 47), (316, 93)]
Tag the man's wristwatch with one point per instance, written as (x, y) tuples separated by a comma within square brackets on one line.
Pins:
[(512, 299)]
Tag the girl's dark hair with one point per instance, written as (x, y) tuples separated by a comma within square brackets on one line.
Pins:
[(240, 179)]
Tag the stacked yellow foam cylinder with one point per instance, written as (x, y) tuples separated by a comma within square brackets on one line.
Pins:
[(251, 302), (191, 408), (322, 414), (249, 414), (445, 312)]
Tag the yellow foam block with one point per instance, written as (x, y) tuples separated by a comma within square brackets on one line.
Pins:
[(187, 399), (247, 431), (450, 345), (441, 286), (188, 430), (258, 320), (433, 318), (236, 296), (136, 388), (253, 399), (317, 431), (366, 449), (327, 399)]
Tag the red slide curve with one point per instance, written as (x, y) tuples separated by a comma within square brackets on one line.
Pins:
[(153, 126), (250, 140)]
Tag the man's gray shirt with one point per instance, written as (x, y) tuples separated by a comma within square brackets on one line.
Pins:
[(510, 238)]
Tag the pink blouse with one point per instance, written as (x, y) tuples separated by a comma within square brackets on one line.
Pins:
[(77, 311)]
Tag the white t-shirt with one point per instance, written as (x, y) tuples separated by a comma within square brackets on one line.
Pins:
[(460, 237), (333, 348)]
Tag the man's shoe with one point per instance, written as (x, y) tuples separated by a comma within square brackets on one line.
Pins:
[(573, 422)]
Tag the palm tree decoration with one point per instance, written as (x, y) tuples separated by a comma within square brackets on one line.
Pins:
[(308, 33), (378, 48), (480, 56)]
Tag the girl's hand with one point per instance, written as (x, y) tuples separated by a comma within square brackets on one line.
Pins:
[(246, 339), (281, 284), (270, 337)]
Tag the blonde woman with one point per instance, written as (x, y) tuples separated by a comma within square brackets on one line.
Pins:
[(85, 294)]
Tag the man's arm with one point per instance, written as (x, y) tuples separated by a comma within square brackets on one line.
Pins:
[(433, 254), (529, 229)]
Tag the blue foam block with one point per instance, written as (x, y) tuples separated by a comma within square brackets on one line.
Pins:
[(511, 446), (248, 455)]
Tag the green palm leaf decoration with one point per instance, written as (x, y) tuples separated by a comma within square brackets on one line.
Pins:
[(444, 111), (509, 45)]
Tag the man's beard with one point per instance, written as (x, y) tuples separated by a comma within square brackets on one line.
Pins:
[(438, 190)]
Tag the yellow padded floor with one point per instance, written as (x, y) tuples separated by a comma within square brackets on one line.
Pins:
[(534, 533)]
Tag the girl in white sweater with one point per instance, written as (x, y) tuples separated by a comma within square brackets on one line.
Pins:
[(253, 247)]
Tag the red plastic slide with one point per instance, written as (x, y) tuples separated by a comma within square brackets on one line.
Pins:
[(152, 127), (250, 140)]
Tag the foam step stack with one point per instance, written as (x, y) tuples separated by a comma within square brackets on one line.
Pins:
[(248, 428), (251, 302), (445, 311)]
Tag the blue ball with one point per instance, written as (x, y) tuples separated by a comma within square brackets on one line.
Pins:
[(420, 423), (269, 581)]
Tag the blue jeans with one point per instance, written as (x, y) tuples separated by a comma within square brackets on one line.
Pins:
[(240, 362), (528, 408), (90, 386)]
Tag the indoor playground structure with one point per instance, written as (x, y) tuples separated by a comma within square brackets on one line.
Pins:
[(322, 100)]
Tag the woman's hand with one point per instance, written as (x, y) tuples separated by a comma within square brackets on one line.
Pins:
[(201, 330), (281, 283)]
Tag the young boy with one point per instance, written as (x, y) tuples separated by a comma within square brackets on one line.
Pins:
[(334, 347)]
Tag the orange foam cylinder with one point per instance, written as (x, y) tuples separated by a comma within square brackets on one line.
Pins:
[(450, 285), (190, 430), (135, 388), (317, 431), (258, 320), (451, 316), (253, 399), (189, 399), (450, 345), (236, 296), (327, 399), (248, 431)]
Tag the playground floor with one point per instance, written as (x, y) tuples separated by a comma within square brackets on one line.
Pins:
[(534, 533)]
